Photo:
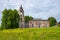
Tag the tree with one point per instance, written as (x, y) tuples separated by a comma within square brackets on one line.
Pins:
[(16, 19), (28, 18), (10, 19), (4, 18), (52, 21)]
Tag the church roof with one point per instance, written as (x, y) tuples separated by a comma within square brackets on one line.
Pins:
[(38, 19)]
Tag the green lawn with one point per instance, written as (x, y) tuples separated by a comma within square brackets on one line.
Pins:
[(52, 33)]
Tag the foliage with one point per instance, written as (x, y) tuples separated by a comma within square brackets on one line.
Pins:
[(10, 19), (52, 21), (31, 34), (28, 18)]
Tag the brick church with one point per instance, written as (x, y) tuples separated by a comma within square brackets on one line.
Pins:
[(35, 23)]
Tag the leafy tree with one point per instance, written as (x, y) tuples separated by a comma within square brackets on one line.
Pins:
[(10, 19), (27, 18), (52, 21), (31, 17), (4, 18), (16, 19)]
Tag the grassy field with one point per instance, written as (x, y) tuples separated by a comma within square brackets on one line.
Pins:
[(52, 33)]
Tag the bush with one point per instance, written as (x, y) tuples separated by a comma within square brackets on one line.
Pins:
[(52, 21)]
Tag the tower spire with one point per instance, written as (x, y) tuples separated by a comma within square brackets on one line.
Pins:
[(21, 8), (21, 13)]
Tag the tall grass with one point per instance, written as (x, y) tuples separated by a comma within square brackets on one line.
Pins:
[(52, 33)]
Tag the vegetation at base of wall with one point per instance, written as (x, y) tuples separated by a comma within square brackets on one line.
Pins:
[(52, 33)]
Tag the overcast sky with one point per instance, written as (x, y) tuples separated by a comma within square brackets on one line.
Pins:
[(35, 8)]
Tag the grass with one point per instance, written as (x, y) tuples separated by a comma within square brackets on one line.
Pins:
[(52, 33)]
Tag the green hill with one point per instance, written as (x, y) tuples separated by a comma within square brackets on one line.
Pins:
[(52, 33)]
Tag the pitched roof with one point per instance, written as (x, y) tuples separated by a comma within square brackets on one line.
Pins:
[(39, 19)]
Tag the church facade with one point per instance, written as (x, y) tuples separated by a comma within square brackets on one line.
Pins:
[(35, 23), (38, 23)]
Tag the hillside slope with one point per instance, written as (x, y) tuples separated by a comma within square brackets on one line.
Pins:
[(52, 33)]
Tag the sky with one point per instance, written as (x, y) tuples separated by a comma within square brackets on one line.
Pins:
[(35, 8)]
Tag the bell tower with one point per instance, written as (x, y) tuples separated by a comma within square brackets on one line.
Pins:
[(21, 13)]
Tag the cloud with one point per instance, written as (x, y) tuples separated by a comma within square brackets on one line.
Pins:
[(36, 8)]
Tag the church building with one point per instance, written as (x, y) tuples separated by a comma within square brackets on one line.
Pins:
[(35, 23)]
